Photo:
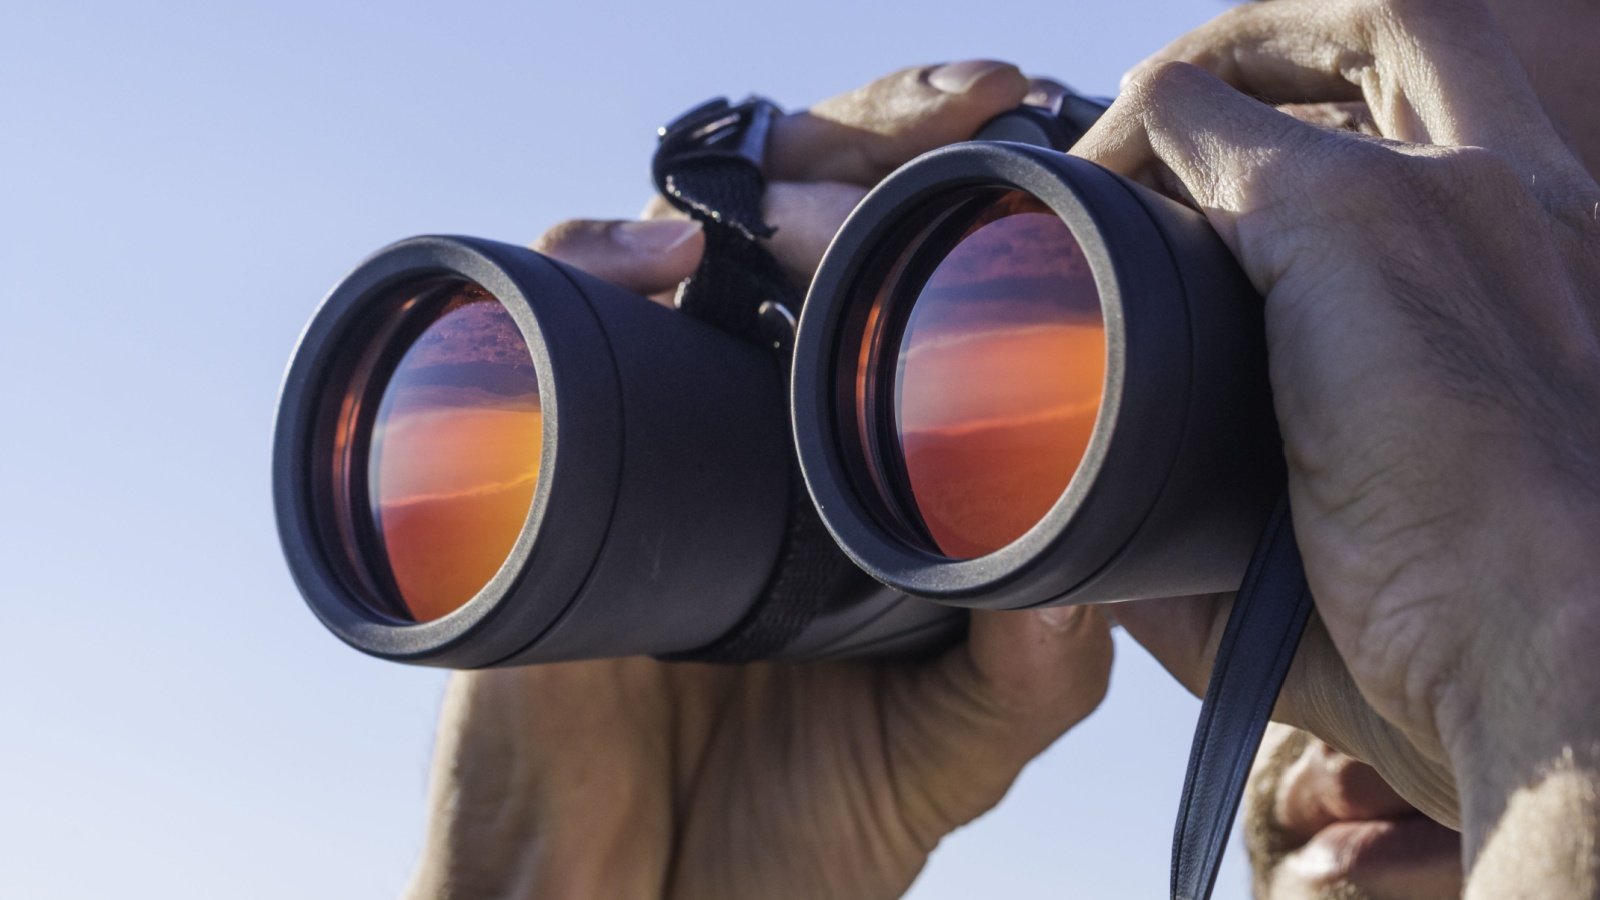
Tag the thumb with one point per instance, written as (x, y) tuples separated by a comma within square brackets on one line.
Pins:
[(1182, 633), (647, 256), (962, 726)]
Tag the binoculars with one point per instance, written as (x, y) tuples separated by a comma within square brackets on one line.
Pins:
[(1018, 379)]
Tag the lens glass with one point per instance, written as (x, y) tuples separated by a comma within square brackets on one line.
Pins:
[(999, 371), (453, 454)]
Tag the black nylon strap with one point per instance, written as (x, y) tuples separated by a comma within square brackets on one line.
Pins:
[(1263, 631), (811, 571), (709, 166)]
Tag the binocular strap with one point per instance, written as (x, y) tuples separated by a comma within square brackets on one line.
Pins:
[(811, 571), (708, 165), (1263, 632), (737, 273)]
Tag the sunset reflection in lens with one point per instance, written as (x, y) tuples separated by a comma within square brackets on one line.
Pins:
[(454, 453), (999, 378)]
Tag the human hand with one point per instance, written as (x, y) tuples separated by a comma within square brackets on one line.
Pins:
[(633, 777), (1432, 302)]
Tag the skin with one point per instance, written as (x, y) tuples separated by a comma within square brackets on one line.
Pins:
[(1432, 307)]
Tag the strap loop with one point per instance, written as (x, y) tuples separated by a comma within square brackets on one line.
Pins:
[(708, 165)]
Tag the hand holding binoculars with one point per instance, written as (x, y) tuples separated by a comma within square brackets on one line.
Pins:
[(1018, 379)]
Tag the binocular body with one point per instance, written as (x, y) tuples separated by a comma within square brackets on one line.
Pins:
[(1018, 379)]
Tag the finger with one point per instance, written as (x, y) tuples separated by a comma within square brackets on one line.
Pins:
[(965, 724), (861, 136), (647, 257), (1275, 56), (1050, 665), (1185, 633), (1179, 127), (1182, 633), (807, 217), (1431, 71)]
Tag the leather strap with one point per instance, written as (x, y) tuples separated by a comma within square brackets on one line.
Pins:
[(1263, 632)]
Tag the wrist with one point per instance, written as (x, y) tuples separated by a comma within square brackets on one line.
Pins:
[(1520, 727), (1507, 758), (1535, 832), (478, 837), (536, 792)]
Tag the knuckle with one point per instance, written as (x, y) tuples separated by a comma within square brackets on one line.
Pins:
[(1478, 166), (1365, 174), (909, 78), (1376, 168), (1234, 17), (1459, 176), (1167, 81)]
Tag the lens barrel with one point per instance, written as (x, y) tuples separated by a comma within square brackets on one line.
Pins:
[(1183, 463), (660, 462)]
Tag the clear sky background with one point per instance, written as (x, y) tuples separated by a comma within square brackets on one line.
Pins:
[(180, 182)]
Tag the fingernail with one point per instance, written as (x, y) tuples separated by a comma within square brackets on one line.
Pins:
[(958, 78), (653, 235), (1062, 618)]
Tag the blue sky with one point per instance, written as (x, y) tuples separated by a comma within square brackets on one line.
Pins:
[(181, 182)]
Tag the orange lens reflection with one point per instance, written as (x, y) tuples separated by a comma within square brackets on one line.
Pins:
[(1000, 375), (454, 452)]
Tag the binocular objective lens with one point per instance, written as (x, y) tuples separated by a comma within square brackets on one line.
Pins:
[(452, 458), (998, 374)]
